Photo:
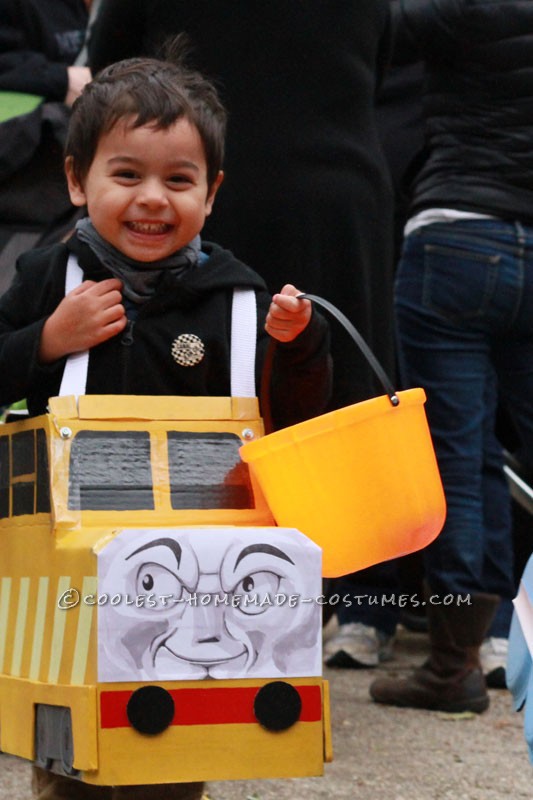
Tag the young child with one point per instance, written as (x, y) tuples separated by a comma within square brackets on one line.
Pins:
[(144, 154), (153, 304)]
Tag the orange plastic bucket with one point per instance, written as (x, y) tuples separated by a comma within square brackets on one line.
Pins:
[(362, 481)]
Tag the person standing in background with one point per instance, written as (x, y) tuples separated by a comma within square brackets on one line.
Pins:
[(307, 197), (39, 43), (39, 49), (464, 302)]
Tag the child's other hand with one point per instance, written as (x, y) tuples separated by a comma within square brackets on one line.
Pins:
[(88, 315), (287, 317), (77, 78)]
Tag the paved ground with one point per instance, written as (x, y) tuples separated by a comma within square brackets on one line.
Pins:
[(385, 753)]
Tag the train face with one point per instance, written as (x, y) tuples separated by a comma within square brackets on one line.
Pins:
[(155, 625)]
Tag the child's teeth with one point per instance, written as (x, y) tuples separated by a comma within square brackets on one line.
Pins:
[(147, 227)]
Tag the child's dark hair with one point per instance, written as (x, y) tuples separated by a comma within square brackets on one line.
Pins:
[(151, 92)]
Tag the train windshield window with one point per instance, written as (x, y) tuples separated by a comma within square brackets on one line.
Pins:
[(110, 471), (23, 472), (207, 472)]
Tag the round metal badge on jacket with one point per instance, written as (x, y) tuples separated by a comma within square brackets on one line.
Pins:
[(188, 350)]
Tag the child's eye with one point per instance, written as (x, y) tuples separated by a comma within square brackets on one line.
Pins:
[(180, 180), (126, 175)]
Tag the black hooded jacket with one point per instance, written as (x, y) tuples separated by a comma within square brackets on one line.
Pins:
[(478, 102), (140, 360)]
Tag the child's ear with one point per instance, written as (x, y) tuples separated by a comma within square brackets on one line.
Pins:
[(213, 189), (75, 189)]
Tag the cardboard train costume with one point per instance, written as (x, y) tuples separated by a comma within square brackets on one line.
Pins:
[(159, 621), (149, 628)]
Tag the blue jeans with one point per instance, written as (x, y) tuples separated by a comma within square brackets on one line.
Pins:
[(464, 310), (368, 596)]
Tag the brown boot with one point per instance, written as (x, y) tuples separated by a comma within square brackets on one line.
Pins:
[(451, 679)]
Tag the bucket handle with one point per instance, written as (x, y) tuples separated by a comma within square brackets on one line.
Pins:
[(264, 398), (359, 341)]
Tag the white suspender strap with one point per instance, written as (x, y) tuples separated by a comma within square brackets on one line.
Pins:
[(75, 373), (243, 343)]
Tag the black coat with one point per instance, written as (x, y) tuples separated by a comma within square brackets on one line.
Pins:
[(38, 40), (197, 303), (477, 102), (307, 197)]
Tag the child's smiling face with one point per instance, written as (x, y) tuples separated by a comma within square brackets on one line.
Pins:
[(146, 190)]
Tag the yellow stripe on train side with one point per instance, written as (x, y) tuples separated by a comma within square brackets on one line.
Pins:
[(4, 612), (83, 633), (20, 626), (39, 627), (60, 620)]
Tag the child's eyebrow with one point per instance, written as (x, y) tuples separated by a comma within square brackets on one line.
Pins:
[(177, 164)]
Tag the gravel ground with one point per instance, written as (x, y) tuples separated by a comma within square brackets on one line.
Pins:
[(383, 753)]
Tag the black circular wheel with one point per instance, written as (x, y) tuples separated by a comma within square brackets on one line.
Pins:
[(277, 706), (150, 709)]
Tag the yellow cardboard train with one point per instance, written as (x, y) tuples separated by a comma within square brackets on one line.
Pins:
[(156, 624)]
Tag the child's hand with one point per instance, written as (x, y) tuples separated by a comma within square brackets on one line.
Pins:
[(77, 78), (287, 317), (88, 315)]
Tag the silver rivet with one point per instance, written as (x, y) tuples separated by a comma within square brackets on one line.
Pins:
[(65, 433), (247, 434)]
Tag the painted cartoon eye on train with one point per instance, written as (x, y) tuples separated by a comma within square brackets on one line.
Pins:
[(155, 624)]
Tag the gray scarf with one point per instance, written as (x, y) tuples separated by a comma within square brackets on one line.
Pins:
[(140, 278)]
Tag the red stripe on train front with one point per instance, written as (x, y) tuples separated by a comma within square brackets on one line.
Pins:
[(208, 706)]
